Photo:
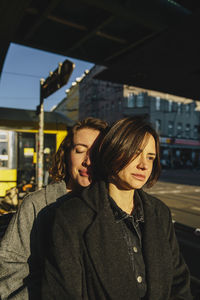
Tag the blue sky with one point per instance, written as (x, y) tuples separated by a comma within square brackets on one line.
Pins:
[(22, 70)]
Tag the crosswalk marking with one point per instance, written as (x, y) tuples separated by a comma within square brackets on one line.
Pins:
[(195, 208), (165, 192)]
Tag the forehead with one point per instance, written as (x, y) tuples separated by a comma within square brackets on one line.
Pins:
[(149, 143), (85, 136)]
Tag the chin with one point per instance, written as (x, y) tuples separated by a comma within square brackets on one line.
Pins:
[(129, 186), (84, 183), (138, 186)]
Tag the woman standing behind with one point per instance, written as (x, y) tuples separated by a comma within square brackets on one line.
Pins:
[(20, 266), (115, 241)]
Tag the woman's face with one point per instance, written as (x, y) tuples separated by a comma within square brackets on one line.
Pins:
[(138, 171), (79, 159)]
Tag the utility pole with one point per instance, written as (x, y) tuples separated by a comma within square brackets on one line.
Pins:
[(48, 86), (40, 153)]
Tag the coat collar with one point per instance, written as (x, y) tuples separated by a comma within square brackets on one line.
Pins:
[(54, 191), (96, 196)]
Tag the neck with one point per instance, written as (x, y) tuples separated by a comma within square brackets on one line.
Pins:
[(72, 187), (123, 198)]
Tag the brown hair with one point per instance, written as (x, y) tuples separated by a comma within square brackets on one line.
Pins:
[(59, 170), (120, 145)]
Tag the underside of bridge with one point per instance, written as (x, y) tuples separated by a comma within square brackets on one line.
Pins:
[(150, 44)]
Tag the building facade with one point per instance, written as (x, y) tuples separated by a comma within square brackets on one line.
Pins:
[(176, 119), (69, 106)]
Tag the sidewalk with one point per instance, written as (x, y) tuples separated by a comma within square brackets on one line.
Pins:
[(180, 190), (181, 176)]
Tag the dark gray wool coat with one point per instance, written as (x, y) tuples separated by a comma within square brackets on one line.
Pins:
[(88, 259)]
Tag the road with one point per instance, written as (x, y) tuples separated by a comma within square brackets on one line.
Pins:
[(180, 190)]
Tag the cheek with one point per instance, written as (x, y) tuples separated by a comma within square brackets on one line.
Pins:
[(72, 162), (151, 166), (76, 161), (150, 169), (122, 174)]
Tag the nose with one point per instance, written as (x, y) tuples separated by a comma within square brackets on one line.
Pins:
[(142, 164), (86, 161)]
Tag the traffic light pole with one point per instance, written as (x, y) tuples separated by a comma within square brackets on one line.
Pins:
[(48, 86), (40, 153)]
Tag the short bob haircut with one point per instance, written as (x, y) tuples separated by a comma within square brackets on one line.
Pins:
[(60, 165), (121, 144)]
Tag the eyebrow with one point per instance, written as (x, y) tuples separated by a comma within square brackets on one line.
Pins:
[(150, 153), (80, 144), (154, 154)]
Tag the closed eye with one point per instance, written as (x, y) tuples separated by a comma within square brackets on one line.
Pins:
[(80, 149)]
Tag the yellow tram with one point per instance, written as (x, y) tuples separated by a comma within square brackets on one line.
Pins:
[(18, 140)]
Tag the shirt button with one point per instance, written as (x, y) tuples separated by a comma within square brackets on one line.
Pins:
[(139, 279), (135, 249)]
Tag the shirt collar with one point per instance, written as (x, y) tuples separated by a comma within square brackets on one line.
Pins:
[(137, 214)]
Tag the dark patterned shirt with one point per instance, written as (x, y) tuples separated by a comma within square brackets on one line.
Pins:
[(130, 225)]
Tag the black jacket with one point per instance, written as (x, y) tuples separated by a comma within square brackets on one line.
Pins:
[(87, 257)]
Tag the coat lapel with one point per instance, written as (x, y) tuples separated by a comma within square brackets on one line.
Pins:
[(107, 249), (156, 252)]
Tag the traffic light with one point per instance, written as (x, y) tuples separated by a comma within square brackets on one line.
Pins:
[(57, 79)]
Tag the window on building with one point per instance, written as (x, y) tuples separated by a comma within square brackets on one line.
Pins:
[(179, 108), (170, 128), (170, 105), (178, 153), (196, 131), (3, 149), (157, 103), (179, 130), (187, 108), (158, 126), (187, 130), (140, 100), (131, 100), (174, 107)]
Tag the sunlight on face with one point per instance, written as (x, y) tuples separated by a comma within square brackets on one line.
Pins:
[(138, 171), (79, 160)]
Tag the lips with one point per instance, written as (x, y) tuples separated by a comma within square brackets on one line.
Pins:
[(140, 177), (84, 173)]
